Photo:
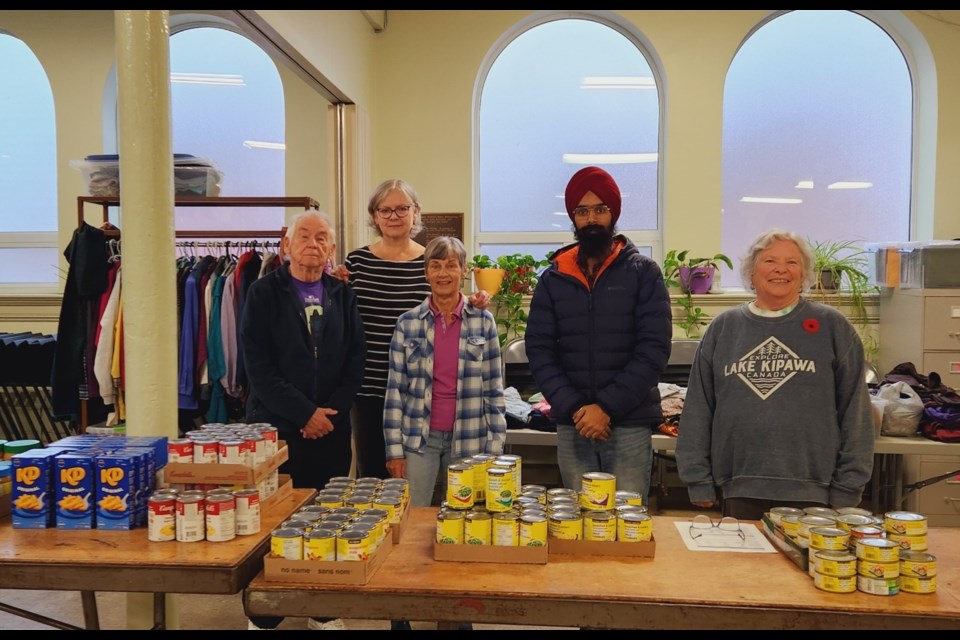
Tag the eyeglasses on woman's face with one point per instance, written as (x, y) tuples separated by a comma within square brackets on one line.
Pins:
[(400, 211), (584, 212)]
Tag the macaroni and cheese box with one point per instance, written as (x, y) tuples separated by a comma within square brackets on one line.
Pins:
[(76, 488), (33, 489), (116, 491)]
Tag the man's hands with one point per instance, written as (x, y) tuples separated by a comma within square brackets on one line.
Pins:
[(319, 424), (592, 422), (397, 468)]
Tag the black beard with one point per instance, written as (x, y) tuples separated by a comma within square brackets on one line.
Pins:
[(595, 240)]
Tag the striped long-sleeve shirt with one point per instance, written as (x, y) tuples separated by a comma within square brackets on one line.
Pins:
[(384, 289)]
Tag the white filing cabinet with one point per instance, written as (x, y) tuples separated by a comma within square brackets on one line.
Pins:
[(922, 326)]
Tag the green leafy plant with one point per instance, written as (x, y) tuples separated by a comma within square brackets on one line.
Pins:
[(841, 271), (677, 262), (522, 274)]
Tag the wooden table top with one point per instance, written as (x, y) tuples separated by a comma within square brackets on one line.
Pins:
[(678, 588), (99, 560)]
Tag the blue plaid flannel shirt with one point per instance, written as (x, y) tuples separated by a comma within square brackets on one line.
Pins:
[(480, 425)]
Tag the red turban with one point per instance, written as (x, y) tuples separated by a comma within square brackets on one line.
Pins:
[(600, 183)]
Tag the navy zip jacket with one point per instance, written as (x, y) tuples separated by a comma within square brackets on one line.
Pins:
[(292, 370), (607, 344)]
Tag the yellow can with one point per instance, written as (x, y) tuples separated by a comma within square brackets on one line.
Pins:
[(875, 569), (565, 525), (905, 523), (628, 497), (598, 491), (500, 489), (450, 527), (833, 563), (460, 486), (790, 525), (878, 586), (776, 514), (916, 584), (391, 501), (918, 564), (848, 521), (320, 544), (477, 527), (634, 526), (516, 463), (835, 584), (533, 530), (481, 462), (286, 543), (506, 529), (599, 525), (878, 550), (829, 538), (353, 545), (379, 527), (909, 543)]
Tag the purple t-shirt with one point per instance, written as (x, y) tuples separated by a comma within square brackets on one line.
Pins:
[(312, 295), (446, 364)]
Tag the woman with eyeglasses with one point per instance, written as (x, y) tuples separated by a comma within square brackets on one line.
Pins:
[(388, 279), (777, 411)]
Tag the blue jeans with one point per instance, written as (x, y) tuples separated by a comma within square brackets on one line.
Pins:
[(423, 467), (627, 454)]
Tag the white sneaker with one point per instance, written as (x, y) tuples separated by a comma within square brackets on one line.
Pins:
[(331, 625)]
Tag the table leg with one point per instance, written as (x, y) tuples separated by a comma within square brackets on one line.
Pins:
[(91, 617), (897, 482), (159, 611), (875, 482)]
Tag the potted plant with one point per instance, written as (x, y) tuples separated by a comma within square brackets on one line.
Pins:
[(691, 276), (521, 272), (487, 274), (841, 269)]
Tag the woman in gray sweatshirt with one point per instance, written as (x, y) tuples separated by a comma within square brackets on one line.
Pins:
[(777, 411)]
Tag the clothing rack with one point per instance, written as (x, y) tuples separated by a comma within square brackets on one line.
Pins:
[(106, 202)]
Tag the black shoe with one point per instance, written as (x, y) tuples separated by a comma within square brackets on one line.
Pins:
[(399, 625)]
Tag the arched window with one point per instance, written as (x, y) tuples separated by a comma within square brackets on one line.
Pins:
[(228, 107), (28, 169), (817, 133), (561, 94)]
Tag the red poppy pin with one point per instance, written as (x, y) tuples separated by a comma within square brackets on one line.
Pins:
[(811, 325)]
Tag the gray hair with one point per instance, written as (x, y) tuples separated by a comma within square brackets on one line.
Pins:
[(443, 247), (300, 217), (382, 191), (748, 264)]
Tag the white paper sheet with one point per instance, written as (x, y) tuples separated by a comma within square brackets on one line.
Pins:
[(716, 540)]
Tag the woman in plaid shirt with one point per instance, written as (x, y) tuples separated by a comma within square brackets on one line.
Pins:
[(444, 396)]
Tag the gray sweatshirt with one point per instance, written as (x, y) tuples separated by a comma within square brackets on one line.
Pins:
[(777, 408)]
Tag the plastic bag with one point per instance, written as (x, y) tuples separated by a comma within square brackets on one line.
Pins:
[(901, 415)]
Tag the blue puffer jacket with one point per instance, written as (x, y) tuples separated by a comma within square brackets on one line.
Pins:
[(607, 344)]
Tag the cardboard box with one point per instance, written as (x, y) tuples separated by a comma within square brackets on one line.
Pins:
[(398, 529), (194, 473), (799, 555), (316, 572), (489, 553), (599, 548)]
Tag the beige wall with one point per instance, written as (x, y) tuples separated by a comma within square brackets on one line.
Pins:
[(415, 82), (433, 59)]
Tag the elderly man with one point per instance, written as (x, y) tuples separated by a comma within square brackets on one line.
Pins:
[(598, 338), (303, 344)]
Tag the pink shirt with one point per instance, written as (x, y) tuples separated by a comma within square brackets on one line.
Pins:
[(446, 363)]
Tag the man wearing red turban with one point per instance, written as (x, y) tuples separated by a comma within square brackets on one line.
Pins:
[(598, 337)]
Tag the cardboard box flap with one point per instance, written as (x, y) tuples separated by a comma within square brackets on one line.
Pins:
[(316, 572)]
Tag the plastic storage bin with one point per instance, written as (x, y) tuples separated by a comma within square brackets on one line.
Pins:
[(192, 176)]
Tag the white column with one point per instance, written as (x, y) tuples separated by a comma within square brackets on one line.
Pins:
[(147, 224)]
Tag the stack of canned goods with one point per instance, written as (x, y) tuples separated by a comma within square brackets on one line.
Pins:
[(852, 550), (216, 515), (238, 443), (348, 521), (485, 504), (598, 513)]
